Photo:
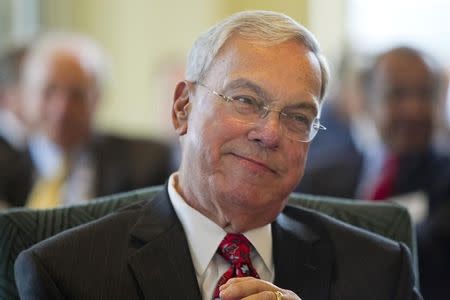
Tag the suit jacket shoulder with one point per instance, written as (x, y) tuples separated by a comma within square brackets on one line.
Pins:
[(364, 265), (16, 174), (138, 252), (79, 262), (327, 179), (123, 164)]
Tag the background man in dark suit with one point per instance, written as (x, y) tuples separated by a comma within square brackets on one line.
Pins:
[(245, 116), (13, 131), (65, 160), (402, 89), (401, 95)]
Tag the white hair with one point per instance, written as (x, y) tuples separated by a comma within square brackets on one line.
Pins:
[(262, 27), (88, 53)]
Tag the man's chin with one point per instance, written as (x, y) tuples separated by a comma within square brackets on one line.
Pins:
[(67, 144), (255, 199)]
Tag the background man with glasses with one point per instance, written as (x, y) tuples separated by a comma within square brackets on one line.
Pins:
[(221, 229)]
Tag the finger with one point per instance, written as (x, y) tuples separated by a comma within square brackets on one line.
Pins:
[(265, 295), (241, 288), (234, 280), (271, 295)]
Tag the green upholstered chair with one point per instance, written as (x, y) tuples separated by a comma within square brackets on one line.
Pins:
[(22, 228)]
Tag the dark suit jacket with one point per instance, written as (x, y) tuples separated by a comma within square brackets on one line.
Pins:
[(434, 261), (15, 174), (142, 253), (120, 164), (340, 176)]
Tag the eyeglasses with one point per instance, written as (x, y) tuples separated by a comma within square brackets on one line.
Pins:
[(299, 125)]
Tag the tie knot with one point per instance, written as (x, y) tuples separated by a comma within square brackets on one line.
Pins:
[(235, 248)]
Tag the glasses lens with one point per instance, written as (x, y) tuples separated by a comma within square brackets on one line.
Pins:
[(245, 105)]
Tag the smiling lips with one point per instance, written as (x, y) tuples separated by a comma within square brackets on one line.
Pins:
[(254, 164)]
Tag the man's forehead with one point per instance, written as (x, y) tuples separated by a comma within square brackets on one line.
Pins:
[(65, 65), (402, 65), (237, 42), (64, 59), (241, 58)]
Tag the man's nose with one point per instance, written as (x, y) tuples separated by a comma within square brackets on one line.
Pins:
[(415, 105), (61, 102), (267, 131)]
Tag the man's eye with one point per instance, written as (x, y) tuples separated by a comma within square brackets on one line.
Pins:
[(300, 118), (245, 100)]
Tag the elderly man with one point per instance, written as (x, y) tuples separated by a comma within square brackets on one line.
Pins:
[(245, 116), (66, 161)]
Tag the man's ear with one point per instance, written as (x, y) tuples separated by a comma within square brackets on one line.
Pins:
[(181, 107)]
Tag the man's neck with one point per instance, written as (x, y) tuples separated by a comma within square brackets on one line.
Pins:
[(233, 218)]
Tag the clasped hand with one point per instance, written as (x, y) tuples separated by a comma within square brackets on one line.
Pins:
[(250, 288)]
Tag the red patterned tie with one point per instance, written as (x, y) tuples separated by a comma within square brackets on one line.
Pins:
[(235, 248)]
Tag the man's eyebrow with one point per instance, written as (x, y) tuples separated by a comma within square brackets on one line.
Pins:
[(304, 106), (245, 83)]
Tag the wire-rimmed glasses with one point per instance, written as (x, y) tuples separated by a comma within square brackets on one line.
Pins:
[(296, 125)]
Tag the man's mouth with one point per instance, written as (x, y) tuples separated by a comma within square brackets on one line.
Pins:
[(255, 164)]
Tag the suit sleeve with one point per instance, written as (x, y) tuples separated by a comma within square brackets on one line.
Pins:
[(32, 279), (406, 283)]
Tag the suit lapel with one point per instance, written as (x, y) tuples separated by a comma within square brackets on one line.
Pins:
[(303, 258), (160, 257)]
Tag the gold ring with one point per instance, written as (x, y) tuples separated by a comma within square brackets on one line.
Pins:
[(278, 294)]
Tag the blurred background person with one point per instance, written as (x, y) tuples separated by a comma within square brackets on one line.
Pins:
[(69, 162), (384, 150), (401, 92), (13, 131), (343, 103)]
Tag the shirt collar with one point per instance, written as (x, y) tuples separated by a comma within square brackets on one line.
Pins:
[(46, 156), (261, 239), (204, 236)]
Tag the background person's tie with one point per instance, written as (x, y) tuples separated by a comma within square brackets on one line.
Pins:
[(235, 248), (385, 185), (47, 192)]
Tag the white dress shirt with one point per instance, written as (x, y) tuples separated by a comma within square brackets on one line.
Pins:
[(369, 144), (204, 236), (372, 170), (12, 130)]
